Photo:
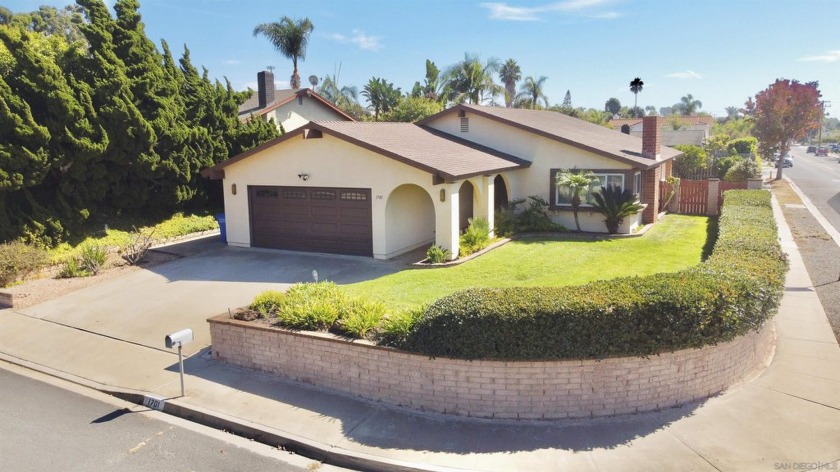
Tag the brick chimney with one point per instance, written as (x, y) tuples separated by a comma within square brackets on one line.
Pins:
[(265, 88), (651, 137)]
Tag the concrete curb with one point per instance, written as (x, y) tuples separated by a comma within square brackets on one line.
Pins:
[(326, 453)]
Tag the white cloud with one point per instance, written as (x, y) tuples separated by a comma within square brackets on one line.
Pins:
[(503, 11), (688, 74), (829, 56), (232, 62), (360, 39)]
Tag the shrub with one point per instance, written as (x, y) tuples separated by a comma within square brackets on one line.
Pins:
[(72, 268), (180, 225), (268, 303), (531, 219), (748, 145), (736, 290), (743, 170), (17, 260), (92, 257), (692, 162), (616, 204), (136, 248), (311, 306), (476, 237), (437, 254), (360, 317), (394, 329)]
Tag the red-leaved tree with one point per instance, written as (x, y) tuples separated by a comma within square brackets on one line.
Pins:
[(785, 112)]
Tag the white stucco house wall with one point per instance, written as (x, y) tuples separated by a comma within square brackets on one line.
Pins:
[(383, 189), (289, 108)]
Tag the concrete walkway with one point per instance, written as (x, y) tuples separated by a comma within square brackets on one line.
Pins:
[(786, 418)]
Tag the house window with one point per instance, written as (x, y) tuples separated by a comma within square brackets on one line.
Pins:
[(564, 195), (637, 183), (465, 124)]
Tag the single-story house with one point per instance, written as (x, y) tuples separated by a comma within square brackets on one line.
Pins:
[(676, 129), (383, 189), (290, 108)]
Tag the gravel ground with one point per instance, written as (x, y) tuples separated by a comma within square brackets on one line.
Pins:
[(34, 291), (819, 252)]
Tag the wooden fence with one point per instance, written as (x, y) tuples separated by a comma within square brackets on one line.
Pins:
[(698, 197)]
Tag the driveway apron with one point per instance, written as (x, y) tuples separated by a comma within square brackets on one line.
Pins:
[(144, 306)]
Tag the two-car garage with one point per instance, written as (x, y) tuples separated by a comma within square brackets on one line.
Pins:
[(315, 219)]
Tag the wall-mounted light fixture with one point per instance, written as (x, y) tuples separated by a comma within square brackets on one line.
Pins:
[(233, 189), (303, 176), (442, 195)]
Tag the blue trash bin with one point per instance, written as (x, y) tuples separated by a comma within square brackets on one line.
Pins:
[(220, 218)]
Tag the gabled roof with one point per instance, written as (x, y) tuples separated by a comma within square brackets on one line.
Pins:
[(282, 97), (568, 130), (447, 157)]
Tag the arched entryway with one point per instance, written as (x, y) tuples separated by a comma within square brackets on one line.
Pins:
[(500, 193), (409, 219), (466, 195)]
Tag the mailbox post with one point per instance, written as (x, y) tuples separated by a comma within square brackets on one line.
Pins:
[(180, 338)]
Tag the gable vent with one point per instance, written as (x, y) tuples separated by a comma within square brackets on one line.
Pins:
[(465, 124)]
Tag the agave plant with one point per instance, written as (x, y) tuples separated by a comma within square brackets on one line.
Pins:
[(616, 204)]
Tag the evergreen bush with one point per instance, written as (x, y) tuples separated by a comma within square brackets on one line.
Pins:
[(735, 291)]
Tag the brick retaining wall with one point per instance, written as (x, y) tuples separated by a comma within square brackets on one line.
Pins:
[(493, 389)]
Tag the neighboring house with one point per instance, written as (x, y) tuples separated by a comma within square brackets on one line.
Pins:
[(383, 189), (676, 129), (290, 109)]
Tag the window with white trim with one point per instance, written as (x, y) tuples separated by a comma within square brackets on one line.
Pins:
[(564, 195), (637, 183)]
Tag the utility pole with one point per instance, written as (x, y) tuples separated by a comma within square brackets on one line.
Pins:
[(823, 106)]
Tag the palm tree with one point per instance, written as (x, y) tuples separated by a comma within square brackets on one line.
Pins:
[(688, 105), (290, 38), (381, 95), (636, 87), (616, 204), (470, 80), (577, 182), (510, 74), (531, 92)]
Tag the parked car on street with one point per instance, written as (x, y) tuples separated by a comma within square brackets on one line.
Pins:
[(787, 162), (822, 151), (811, 149)]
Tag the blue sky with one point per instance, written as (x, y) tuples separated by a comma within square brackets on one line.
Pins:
[(720, 51)]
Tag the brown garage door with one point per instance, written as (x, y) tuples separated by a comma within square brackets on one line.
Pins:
[(316, 219)]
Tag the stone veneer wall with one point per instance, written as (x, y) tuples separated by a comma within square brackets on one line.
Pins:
[(493, 389)]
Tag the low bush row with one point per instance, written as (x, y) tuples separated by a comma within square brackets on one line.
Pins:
[(736, 290), (321, 306)]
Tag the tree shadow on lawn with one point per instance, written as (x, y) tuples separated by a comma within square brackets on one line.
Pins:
[(378, 425)]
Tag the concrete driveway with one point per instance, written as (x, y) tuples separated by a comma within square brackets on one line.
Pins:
[(144, 306)]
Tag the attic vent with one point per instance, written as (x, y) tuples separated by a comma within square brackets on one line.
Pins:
[(465, 124), (300, 99)]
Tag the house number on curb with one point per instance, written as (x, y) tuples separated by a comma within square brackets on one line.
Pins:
[(154, 403)]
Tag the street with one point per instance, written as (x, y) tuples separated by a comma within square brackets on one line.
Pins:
[(45, 428), (819, 180)]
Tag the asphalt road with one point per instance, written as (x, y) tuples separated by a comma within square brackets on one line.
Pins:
[(819, 180), (46, 428)]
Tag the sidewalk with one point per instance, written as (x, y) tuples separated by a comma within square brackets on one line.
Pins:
[(787, 417)]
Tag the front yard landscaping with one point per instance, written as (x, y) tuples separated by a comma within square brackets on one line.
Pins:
[(673, 244)]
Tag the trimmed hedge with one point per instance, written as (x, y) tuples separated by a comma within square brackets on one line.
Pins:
[(736, 290)]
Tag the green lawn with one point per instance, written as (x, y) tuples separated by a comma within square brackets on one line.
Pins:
[(674, 243)]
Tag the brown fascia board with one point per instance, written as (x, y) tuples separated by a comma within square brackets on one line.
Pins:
[(544, 134), (217, 172), (307, 93)]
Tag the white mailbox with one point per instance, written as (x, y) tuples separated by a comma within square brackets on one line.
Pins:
[(185, 336)]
